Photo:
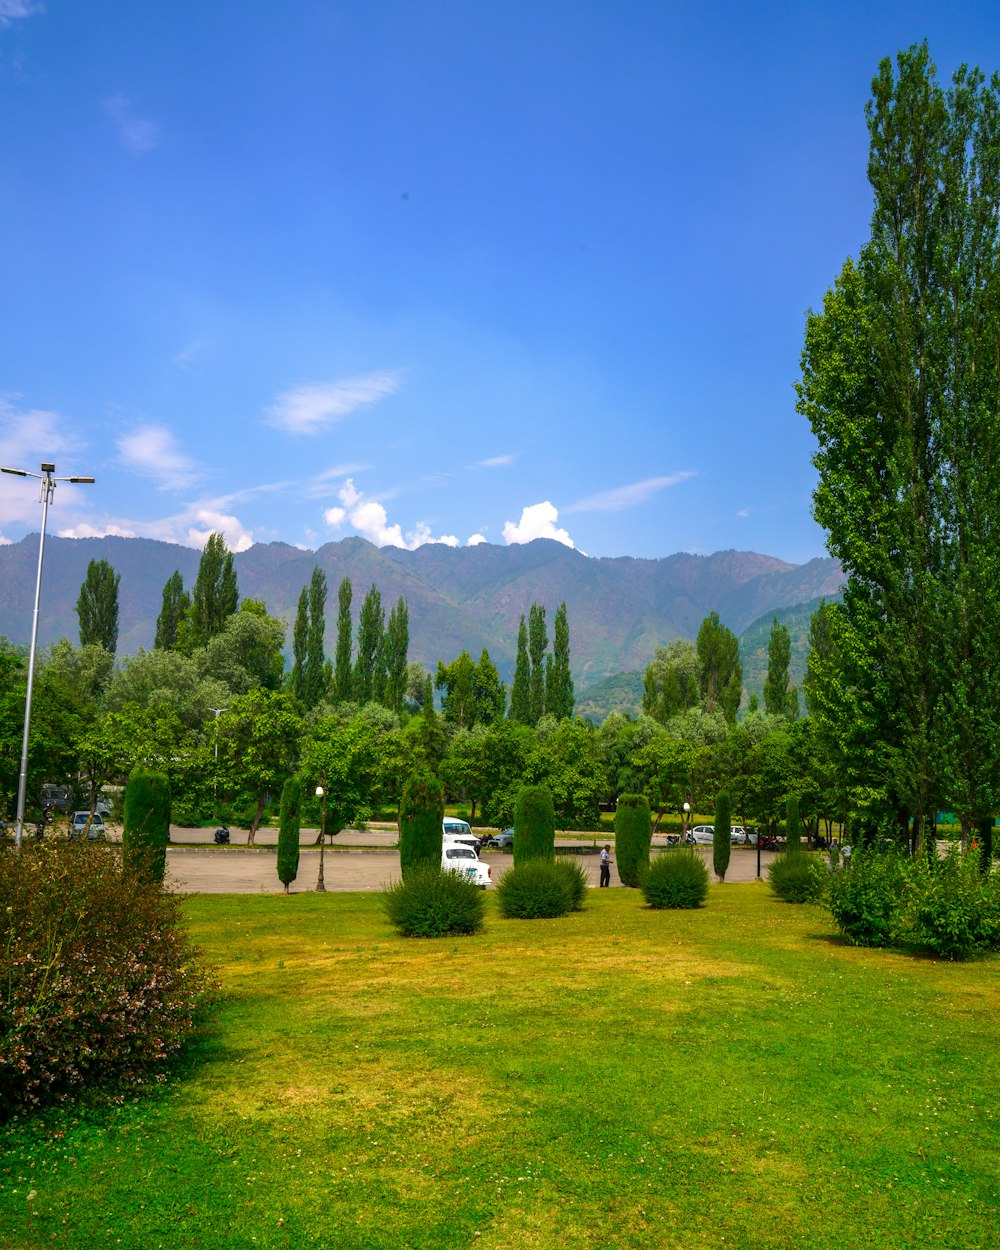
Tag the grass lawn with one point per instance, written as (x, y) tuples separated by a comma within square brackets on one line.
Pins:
[(620, 1078)]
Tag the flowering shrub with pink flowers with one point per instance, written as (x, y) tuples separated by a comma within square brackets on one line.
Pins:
[(98, 982)]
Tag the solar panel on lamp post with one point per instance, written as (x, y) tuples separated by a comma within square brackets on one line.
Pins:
[(47, 488)]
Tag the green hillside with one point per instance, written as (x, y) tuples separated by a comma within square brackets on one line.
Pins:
[(620, 693)]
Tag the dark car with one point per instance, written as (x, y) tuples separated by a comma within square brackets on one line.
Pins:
[(505, 840)]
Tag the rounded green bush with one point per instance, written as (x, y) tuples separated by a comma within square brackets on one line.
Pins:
[(421, 812), (952, 906), (865, 897), (538, 889), (633, 834), (796, 877), (677, 878), (432, 903), (575, 879)]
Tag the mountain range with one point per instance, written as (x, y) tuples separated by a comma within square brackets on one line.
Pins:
[(619, 609)]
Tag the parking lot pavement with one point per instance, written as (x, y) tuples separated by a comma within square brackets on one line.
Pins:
[(236, 870)]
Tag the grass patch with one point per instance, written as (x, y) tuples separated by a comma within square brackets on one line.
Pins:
[(618, 1077)]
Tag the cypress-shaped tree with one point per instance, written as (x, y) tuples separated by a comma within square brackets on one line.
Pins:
[(175, 607), (534, 825), (397, 644), (146, 822), (315, 677), (633, 835), (421, 812), (343, 677), (776, 688), (559, 694), (300, 643), (97, 606), (520, 691), (288, 831), (216, 596), (722, 841), (793, 825), (369, 675), (538, 640)]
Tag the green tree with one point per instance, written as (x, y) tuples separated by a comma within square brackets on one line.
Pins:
[(343, 678), (722, 838), (793, 825), (247, 651), (420, 815), (146, 822), (534, 825), (369, 673), (458, 681), (300, 643), (216, 595), (538, 640), (97, 606), (777, 693), (721, 674), (899, 382), (520, 693), (633, 834), (288, 831), (315, 676), (488, 692), (397, 644), (175, 608), (672, 682), (259, 743), (559, 696)]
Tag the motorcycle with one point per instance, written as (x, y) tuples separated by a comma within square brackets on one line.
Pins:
[(222, 836)]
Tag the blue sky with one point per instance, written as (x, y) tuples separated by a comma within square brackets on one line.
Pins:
[(431, 271)]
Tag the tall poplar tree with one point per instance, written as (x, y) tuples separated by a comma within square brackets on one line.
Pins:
[(538, 640), (343, 677), (559, 694), (315, 676), (216, 595), (300, 643), (369, 680), (175, 607), (520, 692), (721, 671), (397, 645), (777, 693), (900, 383), (97, 606)]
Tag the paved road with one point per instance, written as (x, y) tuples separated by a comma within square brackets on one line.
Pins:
[(236, 870)]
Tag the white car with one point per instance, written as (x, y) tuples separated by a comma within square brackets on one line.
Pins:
[(453, 830), (739, 836), (83, 821), (459, 858), (704, 835)]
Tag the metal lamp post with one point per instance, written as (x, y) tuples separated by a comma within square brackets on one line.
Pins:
[(320, 883), (48, 486), (684, 821)]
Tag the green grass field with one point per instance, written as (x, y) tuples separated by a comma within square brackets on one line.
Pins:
[(619, 1078)]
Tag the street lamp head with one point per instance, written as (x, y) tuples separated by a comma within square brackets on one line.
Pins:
[(319, 792), (16, 472), (48, 468), (90, 480), (687, 806)]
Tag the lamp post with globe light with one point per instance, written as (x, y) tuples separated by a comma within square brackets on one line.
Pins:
[(684, 821), (48, 486), (321, 794)]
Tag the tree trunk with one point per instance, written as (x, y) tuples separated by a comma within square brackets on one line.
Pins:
[(256, 820)]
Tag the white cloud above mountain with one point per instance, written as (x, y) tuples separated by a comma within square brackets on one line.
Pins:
[(538, 520), (369, 518), (312, 409), (153, 451)]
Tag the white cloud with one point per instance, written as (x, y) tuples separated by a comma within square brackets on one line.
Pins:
[(538, 520), (623, 497), (475, 540), (496, 462), (27, 437), (11, 10), (369, 518), (5, 541), (85, 530), (310, 409), (138, 134), (152, 451), (237, 538)]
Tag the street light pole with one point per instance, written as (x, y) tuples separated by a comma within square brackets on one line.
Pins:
[(48, 486), (320, 883)]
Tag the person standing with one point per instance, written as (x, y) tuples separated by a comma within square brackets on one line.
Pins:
[(606, 865)]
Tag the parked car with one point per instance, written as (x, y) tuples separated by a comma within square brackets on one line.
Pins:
[(459, 858), (739, 836), (459, 831), (84, 822), (104, 810), (505, 840), (704, 835)]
